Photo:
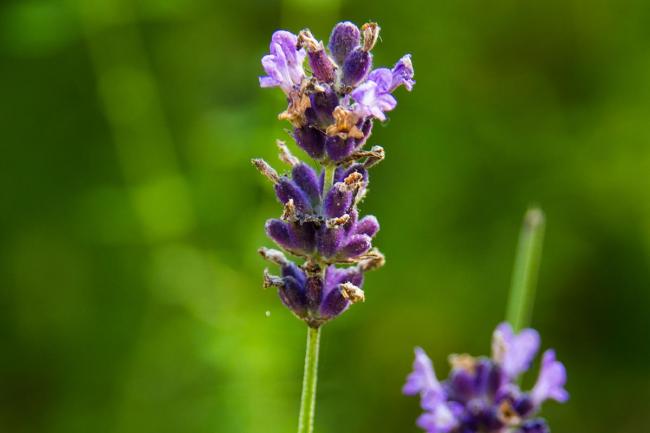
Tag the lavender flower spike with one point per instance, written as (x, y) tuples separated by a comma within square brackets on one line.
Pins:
[(331, 106), (320, 223), (482, 394), (284, 64)]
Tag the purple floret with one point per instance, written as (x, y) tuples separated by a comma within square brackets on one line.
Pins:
[(284, 64)]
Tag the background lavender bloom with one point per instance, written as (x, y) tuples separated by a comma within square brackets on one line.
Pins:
[(482, 394)]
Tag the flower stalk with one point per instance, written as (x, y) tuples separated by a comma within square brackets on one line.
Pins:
[(331, 112), (524, 276), (309, 382)]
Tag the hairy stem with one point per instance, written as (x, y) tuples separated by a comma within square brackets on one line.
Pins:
[(310, 379), (524, 277)]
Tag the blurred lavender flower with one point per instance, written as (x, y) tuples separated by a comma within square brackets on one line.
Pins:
[(481, 394), (332, 113)]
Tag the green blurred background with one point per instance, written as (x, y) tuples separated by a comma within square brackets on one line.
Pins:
[(130, 289)]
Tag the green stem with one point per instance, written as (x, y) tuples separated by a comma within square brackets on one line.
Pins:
[(524, 277), (310, 378), (329, 177)]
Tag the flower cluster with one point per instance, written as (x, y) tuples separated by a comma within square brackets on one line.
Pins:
[(331, 111), (481, 394)]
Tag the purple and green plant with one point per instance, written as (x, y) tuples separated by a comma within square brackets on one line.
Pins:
[(483, 394), (331, 106)]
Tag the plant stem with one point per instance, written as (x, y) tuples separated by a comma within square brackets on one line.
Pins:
[(310, 379), (329, 177), (524, 277)]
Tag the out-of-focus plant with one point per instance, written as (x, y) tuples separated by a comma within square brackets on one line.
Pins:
[(483, 394)]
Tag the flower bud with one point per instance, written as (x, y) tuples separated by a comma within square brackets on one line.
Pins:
[(292, 294), (287, 190), (307, 180), (345, 37), (311, 140), (356, 67), (338, 201), (367, 226), (321, 65), (357, 245), (323, 103), (294, 237)]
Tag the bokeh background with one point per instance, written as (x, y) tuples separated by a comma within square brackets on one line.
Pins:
[(130, 289)]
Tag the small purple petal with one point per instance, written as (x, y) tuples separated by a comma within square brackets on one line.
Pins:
[(356, 245), (356, 67), (333, 304), (338, 148), (373, 98), (341, 173), (337, 201), (278, 230), (402, 74), (551, 381), (439, 420), (422, 380), (329, 240), (534, 426), (294, 271), (461, 385), (383, 78), (284, 64), (311, 140), (523, 405), (514, 353), (322, 66), (297, 238), (314, 291), (322, 107), (367, 226), (287, 190), (345, 37), (307, 180), (293, 296), (335, 276)]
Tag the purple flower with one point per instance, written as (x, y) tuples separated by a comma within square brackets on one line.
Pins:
[(551, 380), (284, 64), (440, 419), (422, 380), (320, 222), (403, 74), (374, 98), (480, 394), (344, 39), (318, 298), (514, 353)]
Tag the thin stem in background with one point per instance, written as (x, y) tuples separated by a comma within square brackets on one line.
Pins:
[(310, 379), (524, 276)]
